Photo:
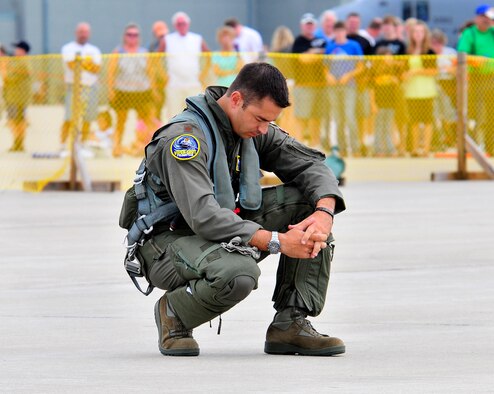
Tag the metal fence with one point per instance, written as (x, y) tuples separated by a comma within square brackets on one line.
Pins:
[(376, 106)]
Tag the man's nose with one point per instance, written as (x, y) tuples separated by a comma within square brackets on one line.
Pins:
[(263, 127)]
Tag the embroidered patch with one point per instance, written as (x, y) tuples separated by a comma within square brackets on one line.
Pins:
[(185, 147)]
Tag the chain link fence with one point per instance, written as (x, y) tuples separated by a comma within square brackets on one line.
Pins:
[(377, 106)]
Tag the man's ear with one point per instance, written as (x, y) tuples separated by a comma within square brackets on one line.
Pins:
[(236, 99)]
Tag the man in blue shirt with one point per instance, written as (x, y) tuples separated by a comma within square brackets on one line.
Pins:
[(341, 76), (310, 92)]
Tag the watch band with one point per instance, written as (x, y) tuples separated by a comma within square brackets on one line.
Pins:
[(274, 245), (327, 210)]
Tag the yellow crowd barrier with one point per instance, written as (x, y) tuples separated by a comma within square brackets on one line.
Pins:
[(376, 106)]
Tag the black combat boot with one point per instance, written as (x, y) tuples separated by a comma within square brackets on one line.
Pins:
[(291, 333), (174, 338)]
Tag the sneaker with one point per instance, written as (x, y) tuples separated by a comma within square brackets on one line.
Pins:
[(64, 151), (174, 338), (85, 152), (297, 336)]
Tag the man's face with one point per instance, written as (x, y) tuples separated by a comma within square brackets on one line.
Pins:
[(353, 24), (82, 34), (388, 30), (328, 24), (182, 26), (340, 34), (308, 29), (483, 22), (159, 29), (254, 119), (19, 52)]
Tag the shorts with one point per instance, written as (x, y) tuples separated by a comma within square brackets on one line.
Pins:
[(89, 99), (124, 100), (310, 102), (16, 112), (421, 110)]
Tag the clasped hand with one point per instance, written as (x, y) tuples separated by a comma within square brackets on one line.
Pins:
[(307, 238)]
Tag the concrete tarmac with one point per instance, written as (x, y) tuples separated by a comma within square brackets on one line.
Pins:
[(411, 294)]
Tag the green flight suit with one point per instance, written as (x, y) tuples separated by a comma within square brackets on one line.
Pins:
[(202, 279)]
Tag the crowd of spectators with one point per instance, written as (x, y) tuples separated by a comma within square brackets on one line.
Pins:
[(363, 98), (366, 98)]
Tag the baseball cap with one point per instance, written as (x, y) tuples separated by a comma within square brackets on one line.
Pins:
[(486, 10), (23, 45), (308, 18)]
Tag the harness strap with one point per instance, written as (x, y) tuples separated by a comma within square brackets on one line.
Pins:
[(136, 283), (134, 269), (209, 139), (144, 224), (139, 187), (152, 210)]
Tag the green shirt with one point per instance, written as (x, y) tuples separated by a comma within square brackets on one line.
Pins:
[(475, 42)]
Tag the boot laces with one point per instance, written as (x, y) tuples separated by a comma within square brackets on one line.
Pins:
[(307, 325), (179, 330)]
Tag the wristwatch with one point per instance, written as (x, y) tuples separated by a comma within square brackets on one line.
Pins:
[(274, 245)]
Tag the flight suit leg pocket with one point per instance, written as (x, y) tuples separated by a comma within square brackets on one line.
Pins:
[(187, 253)]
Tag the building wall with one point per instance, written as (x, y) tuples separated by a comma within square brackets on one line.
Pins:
[(48, 24)]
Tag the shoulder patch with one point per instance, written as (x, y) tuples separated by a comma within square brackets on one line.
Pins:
[(185, 147)]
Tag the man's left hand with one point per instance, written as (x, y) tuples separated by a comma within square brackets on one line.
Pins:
[(317, 227)]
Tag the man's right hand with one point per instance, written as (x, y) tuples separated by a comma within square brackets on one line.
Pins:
[(292, 246), (292, 242)]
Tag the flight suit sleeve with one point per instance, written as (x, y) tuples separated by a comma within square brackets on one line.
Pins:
[(190, 186), (298, 164)]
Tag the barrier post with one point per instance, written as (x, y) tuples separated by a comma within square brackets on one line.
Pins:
[(462, 112), (75, 124), (464, 142)]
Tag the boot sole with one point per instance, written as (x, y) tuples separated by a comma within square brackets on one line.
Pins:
[(170, 352), (283, 348)]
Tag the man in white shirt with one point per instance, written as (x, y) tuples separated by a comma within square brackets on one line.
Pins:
[(326, 30), (185, 73), (90, 67), (248, 41)]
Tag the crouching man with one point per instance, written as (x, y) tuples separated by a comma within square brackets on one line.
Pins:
[(203, 169)]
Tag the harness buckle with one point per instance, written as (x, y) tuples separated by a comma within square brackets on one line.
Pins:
[(147, 230), (139, 178), (133, 266)]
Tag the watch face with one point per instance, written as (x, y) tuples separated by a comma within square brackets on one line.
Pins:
[(273, 247)]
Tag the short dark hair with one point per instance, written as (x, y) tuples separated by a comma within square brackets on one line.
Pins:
[(390, 20), (352, 14), (339, 25), (375, 23), (259, 80), (232, 22)]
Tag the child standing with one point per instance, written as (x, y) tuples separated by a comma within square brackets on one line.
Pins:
[(385, 83), (101, 140)]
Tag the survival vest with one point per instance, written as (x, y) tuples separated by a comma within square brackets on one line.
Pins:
[(143, 209)]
